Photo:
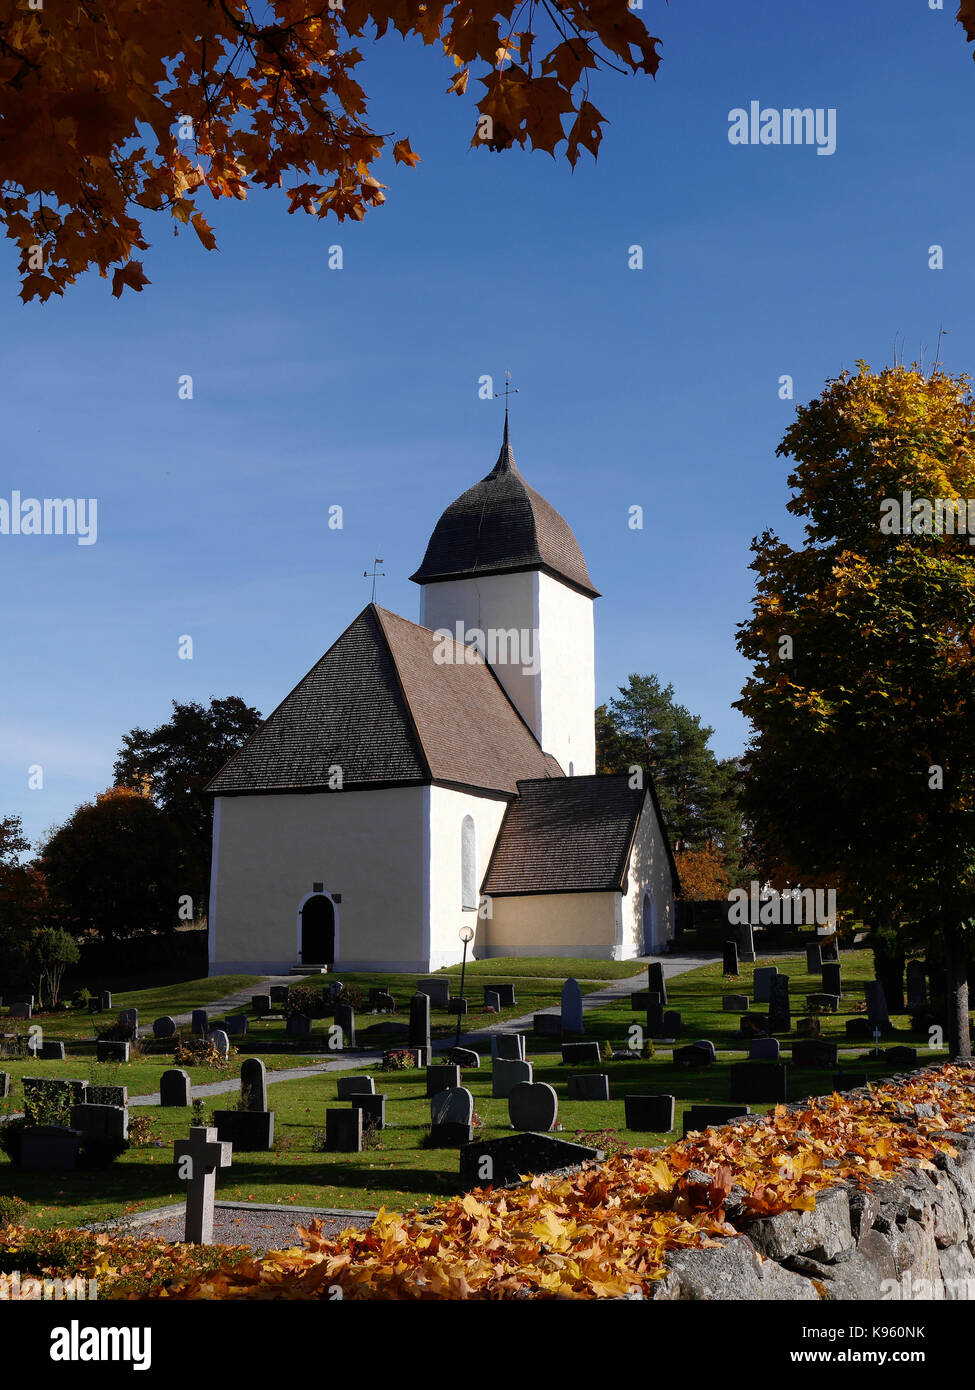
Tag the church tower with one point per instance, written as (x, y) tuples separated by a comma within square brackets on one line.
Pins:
[(504, 572)]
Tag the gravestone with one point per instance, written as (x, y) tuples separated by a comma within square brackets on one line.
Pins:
[(279, 994), (419, 1034), (298, 1026), (164, 1027), (572, 1021), (823, 1003), (253, 1084), (814, 958), (900, 1054), (765, 1082), (197, 1160), (763, 1050), (221, 1042), (492, 1000), (642, 1000), (345, 1019), (649, 1113), (533, 1106), (506, 1074), (45, 1148), (589, 1086), (442, 1077), (858, 1028), (261, 1004), (235, 1025), (577, 1054), (849, 1080), (107, 1095), (917, 984), (730, 966), (501, 1162), (693, 1056), (199, 1022), (814, 1052), (832, 978), (20, 1011), (423, 1055), (465, 1057), (246, 1131), (343, 1131), (51, 1052), (105, 1001), (373, 1109), (809, 1027), (699, 1117), (877, 1015), (506, 994), (762, 983), (174, 1087), (655, 1020), (457, 1006), (383, 1001), (672, 1023), (130, 1018), (734, 1003), (746, 942), (111, 1051), (830, 948), (438, 991), (451, 1118), (655, 980), (779, 1012), (510, 1046), (4, 1085), (355, 1086), (101, 1121), (547, 1025)]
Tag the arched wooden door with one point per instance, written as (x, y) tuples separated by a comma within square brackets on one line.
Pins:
[(318, 931), (649, 926)]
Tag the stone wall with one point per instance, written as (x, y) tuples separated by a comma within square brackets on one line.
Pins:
[(909, 1238)]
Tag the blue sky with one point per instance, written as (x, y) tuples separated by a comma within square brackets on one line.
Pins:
[(358, 387)]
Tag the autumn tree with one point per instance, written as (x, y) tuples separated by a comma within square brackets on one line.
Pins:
[(862, 763), (175, 761), (52, 950), (112, 869), (702, 874), (23, 897), (112, 112)]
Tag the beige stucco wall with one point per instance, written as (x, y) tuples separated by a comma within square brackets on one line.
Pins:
[(568, 675), (556, 924), (447, 810), (372, 847)]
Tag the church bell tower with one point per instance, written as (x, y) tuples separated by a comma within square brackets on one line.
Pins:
[(504, 572)]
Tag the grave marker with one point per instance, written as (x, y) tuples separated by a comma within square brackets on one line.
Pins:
[(253, 1084), (576, 1054), (345, 1019), (533, 1106), (442, 1077), (730, 966), (649, 1114), (437, 990), (197, 1160), (419, 1033), (765, 1082), (589, 1086), (762, 983), (832, 978), (343, 1131), (779, 1013), (355, 1086), (164, 1027), (507, 1074), (572, 1021), (174, 1087), (655, 980)]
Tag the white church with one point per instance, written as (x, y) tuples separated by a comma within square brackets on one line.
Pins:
[(426, 776)]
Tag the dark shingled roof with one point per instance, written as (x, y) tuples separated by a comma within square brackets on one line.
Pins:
[(572, 835), (380, 707), (501, 525)]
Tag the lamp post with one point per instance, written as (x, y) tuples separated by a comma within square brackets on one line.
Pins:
[(466, 935)]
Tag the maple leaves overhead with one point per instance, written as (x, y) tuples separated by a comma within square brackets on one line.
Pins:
[(109, 111)]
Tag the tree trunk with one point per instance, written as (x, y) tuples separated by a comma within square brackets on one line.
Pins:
[(956, 985)]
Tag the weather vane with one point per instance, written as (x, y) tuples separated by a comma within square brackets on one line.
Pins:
[(509, 390), (374, 574)]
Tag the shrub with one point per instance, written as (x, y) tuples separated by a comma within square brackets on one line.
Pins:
[(302, 999), (12, 1210), (119, 1031), (141, 1133), (201, 1052), (399, 1059)]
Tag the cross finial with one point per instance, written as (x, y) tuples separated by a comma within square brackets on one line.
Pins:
[(509, 390), (374, 574)]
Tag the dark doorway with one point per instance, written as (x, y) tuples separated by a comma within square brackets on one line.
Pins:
[(318, 931)]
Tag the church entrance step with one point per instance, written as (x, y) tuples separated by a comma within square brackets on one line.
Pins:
[(309, 970)]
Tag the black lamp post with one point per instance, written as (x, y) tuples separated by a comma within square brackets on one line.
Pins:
[(466, 935)]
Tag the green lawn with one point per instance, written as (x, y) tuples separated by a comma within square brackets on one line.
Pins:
[(156, 1002)]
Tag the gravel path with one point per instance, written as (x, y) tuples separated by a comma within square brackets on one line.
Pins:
[(259, 1227)]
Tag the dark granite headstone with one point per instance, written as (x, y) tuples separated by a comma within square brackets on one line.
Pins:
[(112, 1051), (730, 966), (589, 1086), (200, 1023), (101, 1121), (858, 1028), (499, 1162), (279, 994), (765, 1082), (823, 1003), (107, 1095), (763, 1050), (509, 1046), (51, 1052), (261, 1004), (506, 995), (373, 1109), (672, 1023), (253, 1084), (4, 1085), (900, 1054), (49, 1147), (235, 1025), (345, 1019), (547, 1026), (492, 1001), (734, 1003), (164, 1027), (655, 1020), (649, 1114), (174, 1087), (832, 978), (656, 983), (814, 1052), (450, 1136), (533, 1105), (830, 948), (877, 1015), (746, 942), (575, 1054), (693, 1057), (917, 984), (343, 1131), (814, 958), (419, 1034), (457, 1006), (779, 1012), (247, 1131), (298, 1026), (105, 1001), (465, 1057), (442, 1076), (762, 983)]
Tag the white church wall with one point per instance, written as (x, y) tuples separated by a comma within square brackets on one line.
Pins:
[(371, 847), (447, 915), (649, 871), (568, 684), (494, 603), (554, 924)]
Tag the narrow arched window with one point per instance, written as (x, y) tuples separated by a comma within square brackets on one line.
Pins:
[(468, 864)]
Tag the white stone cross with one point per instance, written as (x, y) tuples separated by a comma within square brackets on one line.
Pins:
[(197, 1161)]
